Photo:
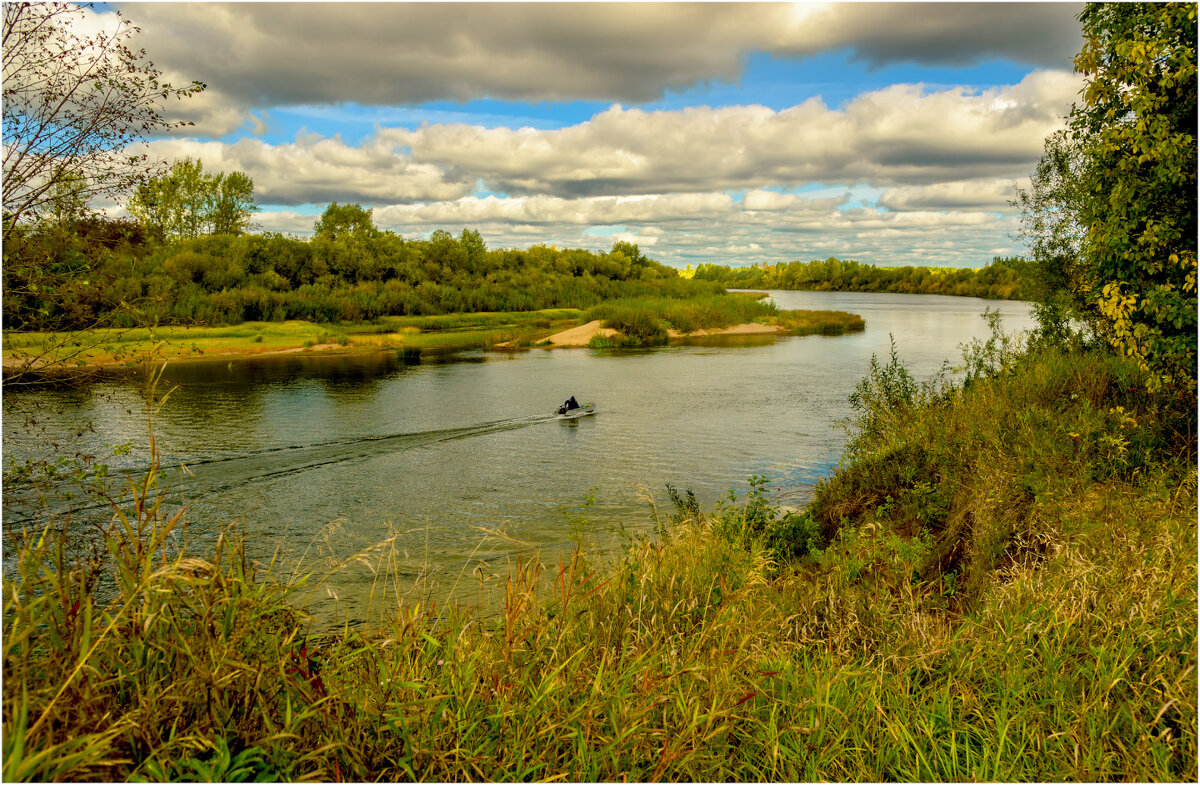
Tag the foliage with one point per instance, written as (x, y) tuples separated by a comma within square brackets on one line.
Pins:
[(345, 220), (1002, 279), (885, 395), (74, 107), (1138, 125), (356, 274), (639, 326), (1112, 213), (187, 203), (1052, 230)]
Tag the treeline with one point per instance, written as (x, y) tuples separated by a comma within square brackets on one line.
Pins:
[(70, 276), (1003, 279)]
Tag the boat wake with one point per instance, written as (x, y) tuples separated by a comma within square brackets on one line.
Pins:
[(189, 479)]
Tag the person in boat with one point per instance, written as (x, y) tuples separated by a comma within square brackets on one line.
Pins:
[(568, 405)]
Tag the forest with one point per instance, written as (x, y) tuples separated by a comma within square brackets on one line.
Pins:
[(1002, 279), (73, 274)]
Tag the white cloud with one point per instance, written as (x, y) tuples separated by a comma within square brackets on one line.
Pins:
[(980, 194), (900, 135), (914, 143), (910, 174), (319, 169)]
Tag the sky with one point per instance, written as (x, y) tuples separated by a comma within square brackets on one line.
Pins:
[(729, 133)]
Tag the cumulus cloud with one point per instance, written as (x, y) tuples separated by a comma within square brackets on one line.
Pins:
[(379, 54), (319, 169), (693, 228), (903, 138), (980, 194), (700, 184), (900, 135)]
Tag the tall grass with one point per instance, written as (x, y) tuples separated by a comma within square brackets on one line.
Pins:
[(655, 315), (1000, 584), (649, 320)]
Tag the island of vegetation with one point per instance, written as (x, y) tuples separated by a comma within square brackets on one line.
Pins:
[(998, 582)]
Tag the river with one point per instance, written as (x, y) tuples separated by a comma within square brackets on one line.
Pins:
[(459, 465)]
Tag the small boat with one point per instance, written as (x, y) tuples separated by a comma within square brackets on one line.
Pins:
[(571, 414)]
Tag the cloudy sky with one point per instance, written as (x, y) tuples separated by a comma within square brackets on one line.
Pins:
[(731, 133)]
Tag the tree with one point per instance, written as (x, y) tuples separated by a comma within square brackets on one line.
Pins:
[(185, 202), (67, 205), (1113, 204), (342, 220), (233, 203), (1051, 228), (75, 106)]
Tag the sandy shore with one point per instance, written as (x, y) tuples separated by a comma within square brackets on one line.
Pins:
[(579, 336)]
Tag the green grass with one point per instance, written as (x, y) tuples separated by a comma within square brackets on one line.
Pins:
[(647, 321), (709, 312), (821, 322), (642, 322), (131, 345), (998, 583)]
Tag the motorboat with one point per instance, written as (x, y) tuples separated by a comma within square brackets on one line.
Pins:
[(570, 414)]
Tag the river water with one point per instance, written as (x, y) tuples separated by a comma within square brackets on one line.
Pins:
[(458, 465)]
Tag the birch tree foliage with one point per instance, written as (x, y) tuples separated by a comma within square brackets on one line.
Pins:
[(77, 107)]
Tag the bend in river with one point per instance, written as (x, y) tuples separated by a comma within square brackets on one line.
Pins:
[(460, 466)]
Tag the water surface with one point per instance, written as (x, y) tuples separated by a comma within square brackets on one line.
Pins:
[(462, 465)]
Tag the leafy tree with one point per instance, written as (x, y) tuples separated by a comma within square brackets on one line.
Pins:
[(67, 205), (1112, 211), (74, 107), (186, 203), (232, 203), (347, 219)]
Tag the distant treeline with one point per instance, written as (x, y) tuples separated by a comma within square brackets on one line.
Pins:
[(58, 277), (1000, 280)]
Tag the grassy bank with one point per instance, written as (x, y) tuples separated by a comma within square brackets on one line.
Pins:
[(644, 321), (649, 320), (998, 583), (132, 345)]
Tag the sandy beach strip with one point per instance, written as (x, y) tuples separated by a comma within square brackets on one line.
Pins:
[(580, 336)]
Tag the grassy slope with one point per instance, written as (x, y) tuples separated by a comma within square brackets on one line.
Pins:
[(1009, 594)]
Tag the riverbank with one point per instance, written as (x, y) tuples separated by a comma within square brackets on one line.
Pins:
[(998, 583), (556, 328)]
